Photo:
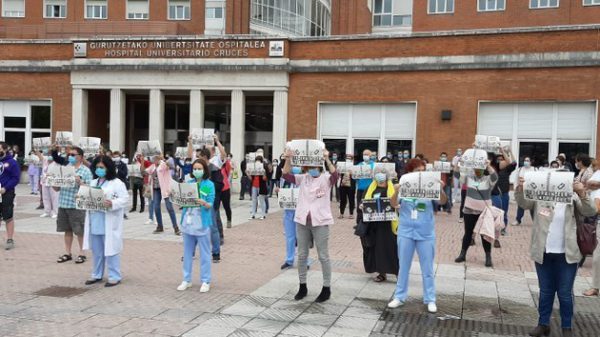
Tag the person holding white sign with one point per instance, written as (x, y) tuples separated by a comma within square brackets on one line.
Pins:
[(289, 226), (160, 179), (478, 197), (363, 184), (313, 218), (103, 231), (527, 167), (196, 224), (259, 182), (555, 252), (49, 195), (416, 232), (380, 250)]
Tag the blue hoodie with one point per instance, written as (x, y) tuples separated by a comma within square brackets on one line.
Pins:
[(10, 173)]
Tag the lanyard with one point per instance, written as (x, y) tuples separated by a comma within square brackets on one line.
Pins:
[(100, 185)]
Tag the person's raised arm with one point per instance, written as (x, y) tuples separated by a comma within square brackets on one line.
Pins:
[(190, 148), (328, 162), (394, 199), (221, 148), (287, 167)]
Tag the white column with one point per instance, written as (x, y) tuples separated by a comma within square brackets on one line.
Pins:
[(280, 112), (157, 116), (196, 109), (79, 114), (117, 120), (238, 125)]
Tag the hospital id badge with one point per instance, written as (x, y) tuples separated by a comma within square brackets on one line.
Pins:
[(414, 214), (545, 211)]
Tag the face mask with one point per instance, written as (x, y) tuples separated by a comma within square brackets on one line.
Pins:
[(577, 166), (314, 172), (188, 162), (380, 177), (296, 170), (366, 158), (116, 159), (50, 158), (443, 158), (72, 160), (459, 153), (526, 164), (334, 157), (406, 155), (198, 174), (100, 172), (373, 158)]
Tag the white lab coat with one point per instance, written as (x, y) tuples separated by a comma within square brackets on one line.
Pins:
[(115, 191)]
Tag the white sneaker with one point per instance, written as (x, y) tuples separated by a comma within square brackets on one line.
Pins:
[(432, 308), (205, 287), (54, 216), (45, 215), (515, 223), (460, 220), (395, 303), (184, 285), (149, 222)]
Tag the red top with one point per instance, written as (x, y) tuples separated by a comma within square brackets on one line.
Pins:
[(226, 172)]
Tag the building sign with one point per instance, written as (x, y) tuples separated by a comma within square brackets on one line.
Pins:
[(80, 49), (184, 49)]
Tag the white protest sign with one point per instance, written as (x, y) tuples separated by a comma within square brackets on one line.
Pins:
[(288, 197), (343, 167), (255, 169), (181, 152), (474, 159), (361, 172), (487, 143), (442, 166), (90, 199), (429, 167), (60, 176), (41, 143), (379, 209), (549, 186), (31, 160), (149, 148), (64, 138), (90, 146), (307, 152), (505, 145), (134, 170), (251, 157), (421, 185), (202, 138), (388, 168), (184, 194)]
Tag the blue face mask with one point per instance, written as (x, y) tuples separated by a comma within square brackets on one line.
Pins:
[(198, 174), (406, 155), (296, 170), (314, 172), (100, 171), (72, 160), (50, 158), (380, 177)]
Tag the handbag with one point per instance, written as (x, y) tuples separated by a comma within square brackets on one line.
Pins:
[(491, 217), (586, 233), (361, 229)]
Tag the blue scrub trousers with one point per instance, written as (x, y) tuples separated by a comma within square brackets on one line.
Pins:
[(215, 235), (426, 251), (113, 262), (289, 227), (190, 242)]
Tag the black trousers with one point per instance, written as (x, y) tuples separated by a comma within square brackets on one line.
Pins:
[(463, 196), (226, 201), (138, 188), (470, 222), (346, 196), (217, 209), (359, 198), (245, 187)]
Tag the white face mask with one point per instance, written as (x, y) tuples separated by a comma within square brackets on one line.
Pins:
[(366, 158)]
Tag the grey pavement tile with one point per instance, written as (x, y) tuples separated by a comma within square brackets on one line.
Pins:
[(173, 328), (369, 303), (355, 323), (210, 331), (126, 310), (280, 314), (290, 305), (340, 331), (142, 325), (101, 332), (304, 330), (244, 309), (251, 333), (103, 321), (478, 288), (359, 312), (12, 309), (326, 308), (221, 320), (179, 315), (265, 325), (316, 319)]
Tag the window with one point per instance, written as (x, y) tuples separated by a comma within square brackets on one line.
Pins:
[(13, 8), (137, 9), (95, 9), (392, 13), (179, 10), (543, 4), (591, 2), (23, 120), (214, 12), (55, 9), (441, 6), (491, 5)]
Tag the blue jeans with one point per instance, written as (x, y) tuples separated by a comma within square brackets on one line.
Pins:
[(215, 236), (521, 213), (289, 227), (113, 262), (156, 198), (190, 242), (556, 276), (426, 251), (501, 201), (151, 209), (449, 203)]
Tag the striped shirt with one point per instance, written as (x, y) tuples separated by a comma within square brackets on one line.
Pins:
[(479, 193), (66, 197)]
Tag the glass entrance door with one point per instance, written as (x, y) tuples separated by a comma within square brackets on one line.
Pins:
[(395, 146), (336, 146), (571, 150), (537, 151), (363, 144)]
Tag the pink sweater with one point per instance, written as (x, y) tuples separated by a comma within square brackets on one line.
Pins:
[(164, 178), (314, 198)]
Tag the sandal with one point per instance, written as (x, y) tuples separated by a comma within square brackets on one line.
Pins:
[(379, 278), (591, 292), (64, 258), (80, 259)]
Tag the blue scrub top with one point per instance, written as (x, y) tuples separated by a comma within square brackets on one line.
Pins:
[(97, 222), (363, 184), (421, 228)]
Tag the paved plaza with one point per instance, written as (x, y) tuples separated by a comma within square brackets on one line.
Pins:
[(250, 296)]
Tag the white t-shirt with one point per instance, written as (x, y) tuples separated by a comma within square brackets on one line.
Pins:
[(595, 177), (555, 242)]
